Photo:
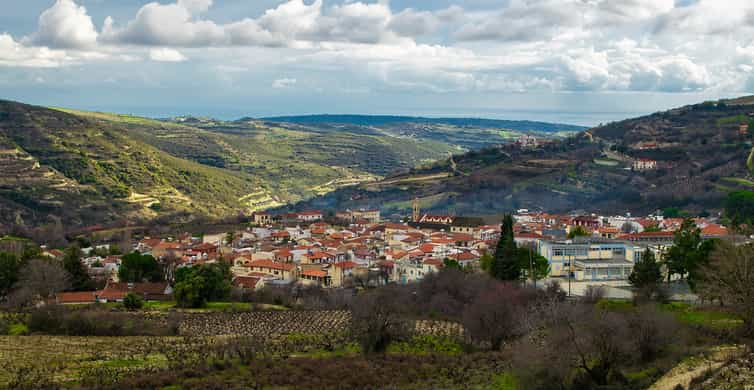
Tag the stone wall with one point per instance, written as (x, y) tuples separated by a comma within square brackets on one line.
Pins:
[(265, 323), (273, 323)]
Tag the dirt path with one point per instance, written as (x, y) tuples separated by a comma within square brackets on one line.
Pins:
[(689, 369)]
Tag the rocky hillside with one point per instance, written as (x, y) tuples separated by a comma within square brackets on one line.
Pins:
[(692, 156)]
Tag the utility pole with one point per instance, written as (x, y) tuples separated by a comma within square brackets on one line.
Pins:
[(570, 268), (531, 269)]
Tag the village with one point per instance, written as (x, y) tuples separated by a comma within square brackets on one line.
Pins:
[(357, 249)]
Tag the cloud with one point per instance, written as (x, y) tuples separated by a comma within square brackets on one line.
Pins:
[(166, 55), (156, 24), (506, 46), (197, 6), (413, 23), (283, 83), (13, 53), (65, 25)]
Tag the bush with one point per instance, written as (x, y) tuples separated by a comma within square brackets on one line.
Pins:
[(18, 330), (58, 320), (132, 302), (378, 319), (593, 294)]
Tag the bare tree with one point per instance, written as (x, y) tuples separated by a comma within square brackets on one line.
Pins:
[(39, 280), (496, 315), (728, 278), (378, 319)]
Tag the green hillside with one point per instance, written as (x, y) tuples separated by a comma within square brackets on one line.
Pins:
[(83, 168)]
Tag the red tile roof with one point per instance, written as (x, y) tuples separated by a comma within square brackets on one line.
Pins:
[(271, 265), (314, 273), (346, 265), (715, 230), (436, 262), (246, 281), (76, 297)]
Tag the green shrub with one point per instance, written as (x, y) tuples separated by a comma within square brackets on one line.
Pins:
[(425, 344), (18, 330), (132, 302)]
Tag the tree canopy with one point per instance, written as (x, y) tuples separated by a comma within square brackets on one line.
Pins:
[(505, 265), (135, 268), (578, 231), (688, 252), (646, 271), (10, 266), (739, 207), (80, 280), (195, 286)]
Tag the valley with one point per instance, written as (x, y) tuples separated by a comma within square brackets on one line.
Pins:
[(92, 168)]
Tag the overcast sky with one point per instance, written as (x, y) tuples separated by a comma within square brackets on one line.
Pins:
[(577, 61)]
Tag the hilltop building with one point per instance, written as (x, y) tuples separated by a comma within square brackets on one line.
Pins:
[(644, 164)]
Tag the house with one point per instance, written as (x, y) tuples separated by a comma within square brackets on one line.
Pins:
[(432, 265), (464, 259), (285, 271), (608, 232), (155, 291), (262, 218), (76, 298), (714, 231), (314, 276), (248, 282), (281, 236), (339, 272), (351, 216), (644, 164), (318, 258), (166, 249), (589, 222), (310, 216)]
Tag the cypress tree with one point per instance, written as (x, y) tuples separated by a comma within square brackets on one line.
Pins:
[(646, 271), (505, 264), (80, 279)]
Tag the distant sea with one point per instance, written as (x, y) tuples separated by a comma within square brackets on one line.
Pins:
[(585, 118)]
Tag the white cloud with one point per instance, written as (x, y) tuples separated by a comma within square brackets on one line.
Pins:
[(166, 55), (197, 6), (283, 83), (519, 45), (13, 53), (156, 24), (65, 25), (412, 23)]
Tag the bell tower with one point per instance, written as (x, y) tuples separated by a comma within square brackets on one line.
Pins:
[(416, 212)]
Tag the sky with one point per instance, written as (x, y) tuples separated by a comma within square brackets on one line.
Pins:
[(573, 61)]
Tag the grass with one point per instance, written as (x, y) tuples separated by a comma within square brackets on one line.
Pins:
[(72, 356), (504, 381), (702, 317), (422, 345), (18, 330), (615, 305), (684, 312)]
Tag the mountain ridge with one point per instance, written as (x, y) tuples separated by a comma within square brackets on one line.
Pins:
[(371, 120)]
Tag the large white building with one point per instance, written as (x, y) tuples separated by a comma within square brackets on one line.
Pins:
[(591, 259)]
